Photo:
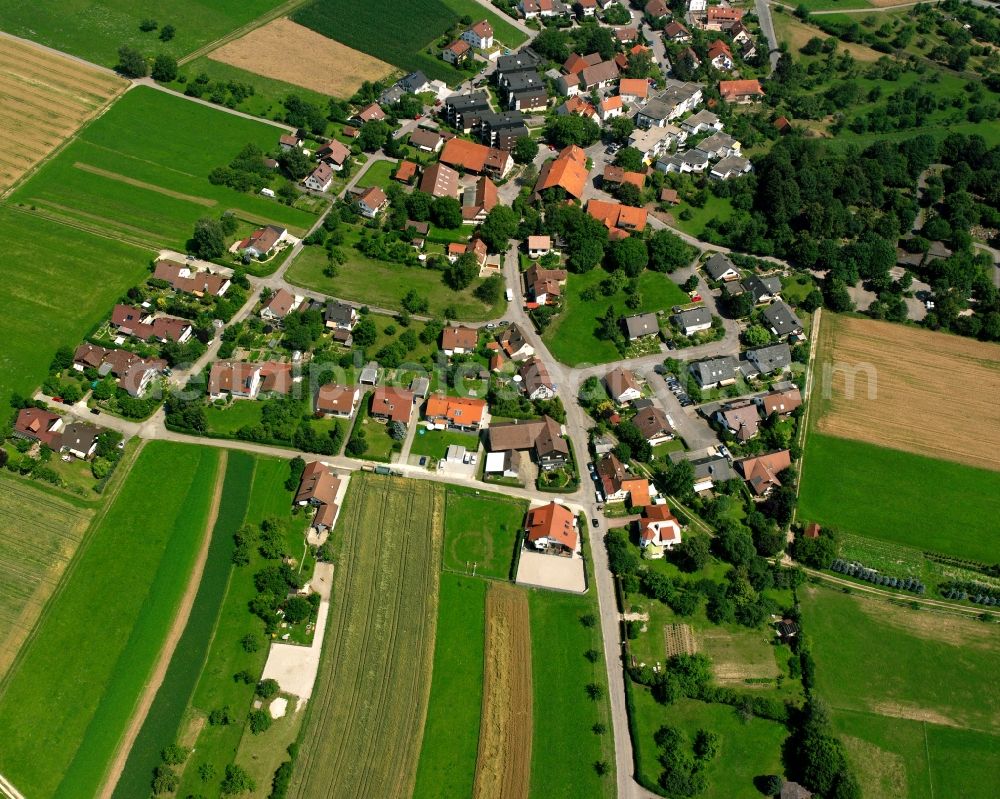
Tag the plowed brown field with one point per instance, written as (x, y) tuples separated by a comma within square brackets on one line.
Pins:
[(47, 97), (503, 766), (286, 51), (933, 394)]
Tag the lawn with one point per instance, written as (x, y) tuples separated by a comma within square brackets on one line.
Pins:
[(366, 717), (746, 749), (383, 284), (164, 719), (95, 30), (378, 173), (55, 301), (402, 39), (451, 734), (899, 757), (226, 420), (215, 686), (140, 172), (39, 533), (714, 208), (481, 527), (64, 706), (570, 336), (877, 492), (564, 715), (876, 657), (435, 443), (381, 446)]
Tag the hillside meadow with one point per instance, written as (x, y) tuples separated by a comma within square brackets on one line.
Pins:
[(65, 704), (140, 172)]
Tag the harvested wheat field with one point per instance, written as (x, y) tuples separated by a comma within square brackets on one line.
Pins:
[(503, 765), (47, 97), (286, 51), (909, 389)]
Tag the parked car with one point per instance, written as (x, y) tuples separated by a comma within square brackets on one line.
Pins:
[(95, 411), (595, 522)]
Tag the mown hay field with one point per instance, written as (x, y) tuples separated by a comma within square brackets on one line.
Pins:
[(39, 533), (66, 702), (503, 767), (286, 51), (140, 172), (909, 389), (366, 717), (47, 97)]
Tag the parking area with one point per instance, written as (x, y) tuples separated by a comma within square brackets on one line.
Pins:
[(551, 571)]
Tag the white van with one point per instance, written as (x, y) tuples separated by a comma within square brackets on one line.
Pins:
[(510, 295)]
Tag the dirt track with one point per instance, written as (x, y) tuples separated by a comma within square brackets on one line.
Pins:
[(169, 643), (286, 51), (932, 394), (503, 767)]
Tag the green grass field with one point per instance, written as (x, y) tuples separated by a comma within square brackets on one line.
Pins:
[(746, 749), (570, 336), (65, 704), (227, 420), (365, 718), (877, 492), (55, 301), (162, 724), (563, 713), (900, 757), (451, 734), (435, 443), (714, 208), (140, 172), (378, 173), (379, 28), (215, 687), (383, 284), (854, 637), (481, 527), (95, 30)]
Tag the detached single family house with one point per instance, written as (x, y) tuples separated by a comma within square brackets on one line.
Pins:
[(333, 399), (622, 385), (659, 529), (552, 528)]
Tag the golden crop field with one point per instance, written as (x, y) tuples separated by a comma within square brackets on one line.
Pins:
[(909, 389), (286, 51), (47, 97), (503, 766), (38, 535)]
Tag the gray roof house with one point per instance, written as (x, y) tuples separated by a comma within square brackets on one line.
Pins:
[(719, 267), (765, 360), (709, 470), (715, 371), (414, 83), (763, 289), (782, 321), (693, 320), (642, 325)]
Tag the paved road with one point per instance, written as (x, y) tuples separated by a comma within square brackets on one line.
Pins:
[(763, 9)]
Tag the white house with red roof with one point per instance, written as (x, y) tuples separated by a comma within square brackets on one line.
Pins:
[(659, 529), (479, 35)]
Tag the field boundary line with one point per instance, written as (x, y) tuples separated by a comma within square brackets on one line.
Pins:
[(8, 790), (242, 31), (141, 184), (88, 537), (181, 616), (802, 433), (927, 754)]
